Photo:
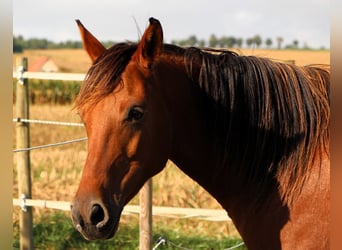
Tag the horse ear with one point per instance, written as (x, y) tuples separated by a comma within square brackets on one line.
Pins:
[(151, 44), (93, 47)]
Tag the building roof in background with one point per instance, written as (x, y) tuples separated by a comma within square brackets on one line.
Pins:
[(43, 64)]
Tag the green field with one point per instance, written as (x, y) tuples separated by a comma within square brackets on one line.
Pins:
[(55, 231)]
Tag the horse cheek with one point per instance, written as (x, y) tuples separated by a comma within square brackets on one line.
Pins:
[(132, 145)]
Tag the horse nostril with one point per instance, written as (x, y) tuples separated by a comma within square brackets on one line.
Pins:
[(97, 215), (77, 219)]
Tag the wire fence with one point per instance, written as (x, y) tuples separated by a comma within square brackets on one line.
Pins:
[(50, 145), (162, 211), (171, 212), (74, 124), (25, 201), (58, 123)]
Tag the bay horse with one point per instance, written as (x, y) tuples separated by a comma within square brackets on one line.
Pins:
[(253, 132)]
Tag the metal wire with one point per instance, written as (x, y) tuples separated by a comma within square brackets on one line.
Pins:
[(236, 246), (18, 119), (163, 241), (49, 145)]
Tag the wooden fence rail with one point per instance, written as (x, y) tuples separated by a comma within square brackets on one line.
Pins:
[(218, 215), (51, 76)]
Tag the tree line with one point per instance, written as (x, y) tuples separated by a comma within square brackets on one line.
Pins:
[(20, 43), (233, 42)]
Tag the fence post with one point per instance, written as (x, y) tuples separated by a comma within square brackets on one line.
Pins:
[(145, 223), (23, 158)]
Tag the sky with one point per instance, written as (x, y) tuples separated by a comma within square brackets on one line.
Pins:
[(307, 21)]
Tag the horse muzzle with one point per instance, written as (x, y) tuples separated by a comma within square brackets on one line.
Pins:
[(94, 220)]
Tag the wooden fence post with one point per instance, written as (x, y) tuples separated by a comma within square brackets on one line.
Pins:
[(23, 158), (145, 223)]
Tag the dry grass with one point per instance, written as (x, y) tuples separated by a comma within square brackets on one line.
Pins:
[(76, 60), (56, 173), (68, 60), (300, 57)]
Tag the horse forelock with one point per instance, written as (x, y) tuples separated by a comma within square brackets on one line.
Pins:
[(105, 74), (271, 119)]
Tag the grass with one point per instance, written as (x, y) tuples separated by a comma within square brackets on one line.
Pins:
[(300, 57), (56, 172), (55, 231)]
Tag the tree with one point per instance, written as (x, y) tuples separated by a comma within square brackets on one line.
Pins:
[(222, 42), (239, 42), (36, 43), (231, 41), (279, 41), (201, 43), (249, 42), (295, 44), (18, 44), (226, 42), (268, 42), (257, 41), (213, 41), (192, 40)]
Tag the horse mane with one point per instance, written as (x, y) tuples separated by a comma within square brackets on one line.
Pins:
[(269, 118)]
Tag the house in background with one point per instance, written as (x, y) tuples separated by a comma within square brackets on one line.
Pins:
[(43, 64)]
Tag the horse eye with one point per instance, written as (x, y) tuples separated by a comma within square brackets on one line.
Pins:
[(135, 114)]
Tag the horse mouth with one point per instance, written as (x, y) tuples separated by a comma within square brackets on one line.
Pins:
[(99, 232)]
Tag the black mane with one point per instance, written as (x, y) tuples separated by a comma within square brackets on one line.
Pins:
[(270, 119)]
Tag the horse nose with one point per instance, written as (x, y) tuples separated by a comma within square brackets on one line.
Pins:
[(89, 220), (97, 216)]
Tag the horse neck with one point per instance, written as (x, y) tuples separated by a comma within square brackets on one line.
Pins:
[(193, 148), (194, 152)]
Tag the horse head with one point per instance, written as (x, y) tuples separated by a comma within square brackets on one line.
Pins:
[(128, 130)]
